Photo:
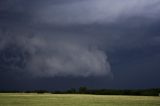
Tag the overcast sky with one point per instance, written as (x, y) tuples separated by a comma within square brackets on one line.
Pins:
[(61, 44)]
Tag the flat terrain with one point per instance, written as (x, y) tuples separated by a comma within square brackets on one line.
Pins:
[(22, 99)]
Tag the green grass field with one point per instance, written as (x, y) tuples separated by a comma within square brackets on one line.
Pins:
[(20, 99)]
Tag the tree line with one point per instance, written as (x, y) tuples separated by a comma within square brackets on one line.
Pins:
[(85, 90)]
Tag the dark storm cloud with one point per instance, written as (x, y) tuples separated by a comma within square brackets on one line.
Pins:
[(61, 38), (48, 54)]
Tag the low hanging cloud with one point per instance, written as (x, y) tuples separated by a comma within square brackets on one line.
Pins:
[(52, 58)]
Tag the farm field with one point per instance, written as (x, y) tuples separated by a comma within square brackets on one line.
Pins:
[(23, 99)]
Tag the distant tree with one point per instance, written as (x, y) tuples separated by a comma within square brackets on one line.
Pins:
[(83, 90), (58, 92), (40, 91), (72, 91)]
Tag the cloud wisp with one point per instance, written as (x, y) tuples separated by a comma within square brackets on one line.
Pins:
[(101, 11)]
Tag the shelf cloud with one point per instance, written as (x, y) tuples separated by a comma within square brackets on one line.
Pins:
[(71, 38)]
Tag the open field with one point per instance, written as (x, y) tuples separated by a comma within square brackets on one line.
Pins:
[(22, 99)]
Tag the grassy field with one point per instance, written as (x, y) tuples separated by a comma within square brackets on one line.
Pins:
[(20, 99)]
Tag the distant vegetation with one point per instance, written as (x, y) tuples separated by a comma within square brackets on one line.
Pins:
[(85, 90)]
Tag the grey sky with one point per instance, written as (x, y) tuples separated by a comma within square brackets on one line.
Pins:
[(81, 38)]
